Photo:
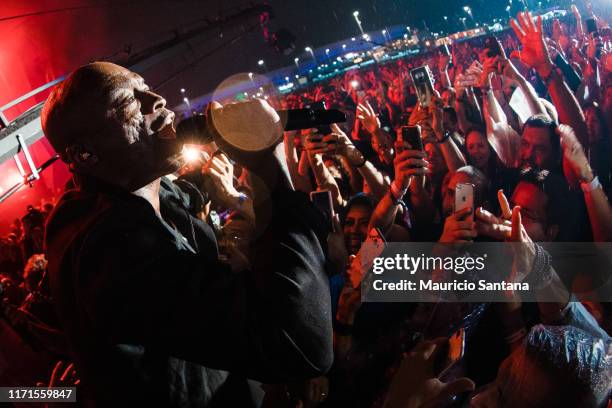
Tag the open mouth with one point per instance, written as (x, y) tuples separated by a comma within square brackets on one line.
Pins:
[(167, 130)]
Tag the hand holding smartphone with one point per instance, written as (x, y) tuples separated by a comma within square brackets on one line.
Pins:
[(464, 198), (371, 248), (411, 136), (450, 352), (423, 84)]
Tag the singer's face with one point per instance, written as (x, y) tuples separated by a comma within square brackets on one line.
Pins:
[(135, 144)]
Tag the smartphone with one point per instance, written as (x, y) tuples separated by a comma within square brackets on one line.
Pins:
[(412, 136), (423, 84), (372, 247), (451, 352), (446, 51), (464, 197), (322, 129), (322, 200), (591, 25), (493, 47)]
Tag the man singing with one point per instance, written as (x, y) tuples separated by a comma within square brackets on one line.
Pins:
[(151, 315)]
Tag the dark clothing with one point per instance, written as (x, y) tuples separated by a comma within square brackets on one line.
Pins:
[(154, 319)]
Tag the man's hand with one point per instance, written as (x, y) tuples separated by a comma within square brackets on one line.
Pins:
[(574, 154), (316, 143), (416, 386), (534, 52), (489, 67), (367, 116), (459, 228), (219, 181), (509, 228), (409, 163), (343, 145)]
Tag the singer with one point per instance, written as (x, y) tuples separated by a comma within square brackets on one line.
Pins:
[(152, 316)]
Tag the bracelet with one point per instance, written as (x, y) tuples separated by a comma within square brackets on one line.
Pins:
[(587, 187), (362, 163), (541, 272), (343, 329), (241, 199), (446, 136)]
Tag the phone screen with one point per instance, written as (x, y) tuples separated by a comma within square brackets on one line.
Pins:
[(371, 248), (451, 352), (323, 201), (423, 84), (412, 136)]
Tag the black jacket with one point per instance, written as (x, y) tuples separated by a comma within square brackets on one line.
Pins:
[(154, 319)]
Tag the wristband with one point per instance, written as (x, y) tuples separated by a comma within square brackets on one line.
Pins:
[(594, 184), (447, 135), (361, 164), (343, 329), (241, 199)]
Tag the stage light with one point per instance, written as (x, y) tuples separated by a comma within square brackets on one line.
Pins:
[(355, 13), (296, 60), (190, 154), (182, 90), (354, 84), (343, 46), (260, 62), (308, 49)]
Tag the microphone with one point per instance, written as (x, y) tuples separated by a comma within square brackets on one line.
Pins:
[(195, 129)]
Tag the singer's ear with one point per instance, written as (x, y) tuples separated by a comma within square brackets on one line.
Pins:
[(78, 155)]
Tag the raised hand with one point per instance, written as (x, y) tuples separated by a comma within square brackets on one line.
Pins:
[(416, 386), (219, 180), (368, 117), (459, 227), (574, 154), (509, 228), (534, 53), (409, 163)]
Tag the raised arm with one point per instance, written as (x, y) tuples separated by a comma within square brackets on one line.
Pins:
[(598, 207), (300, 182), (535, 54), (452, 155), (316, 146), (408, 163), (379, 184)]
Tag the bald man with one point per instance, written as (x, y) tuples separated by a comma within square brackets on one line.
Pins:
[(152, 317)]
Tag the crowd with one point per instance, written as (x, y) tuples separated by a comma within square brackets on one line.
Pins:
[(529, 127)]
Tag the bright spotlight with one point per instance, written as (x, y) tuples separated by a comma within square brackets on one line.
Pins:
[(190, 154)]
